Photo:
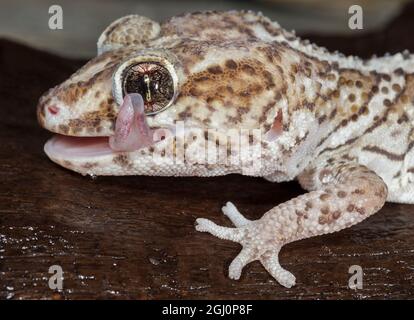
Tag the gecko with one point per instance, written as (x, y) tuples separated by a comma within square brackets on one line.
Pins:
[(158, 95)]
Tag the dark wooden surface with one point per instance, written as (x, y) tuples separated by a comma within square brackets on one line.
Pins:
[(134, 237)]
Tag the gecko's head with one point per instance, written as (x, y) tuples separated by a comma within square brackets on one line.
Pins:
[(156, 97)]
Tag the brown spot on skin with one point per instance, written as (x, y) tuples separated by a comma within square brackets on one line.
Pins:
[(364, 96), (350, 208), (399, 72), (336, 94), (404, 98), (341, 194), (396, 87), (325, 210), (215, 70), (231, 64), (122, 160), (229, 89), (386, 77), (194, 92), (307, 72), (336, 214), (351, 97), (387, 102), (364, 110), (322, 220), (185, 114), (403, 118), (358, 191), (209, 99), (299, 213), (322, 118), (308, 205), (248, 69), (331, 77), (324, 196), (268, 78), (360, 210), (354, 108), (384, 90)]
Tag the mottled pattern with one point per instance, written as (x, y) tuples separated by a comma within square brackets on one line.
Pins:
[(341, 125)]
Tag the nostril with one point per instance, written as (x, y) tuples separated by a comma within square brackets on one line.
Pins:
[(53, 109)]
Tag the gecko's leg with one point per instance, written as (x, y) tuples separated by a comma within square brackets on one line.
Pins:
[(344, 195)]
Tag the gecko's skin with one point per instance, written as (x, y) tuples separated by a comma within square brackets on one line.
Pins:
[(342, 126)]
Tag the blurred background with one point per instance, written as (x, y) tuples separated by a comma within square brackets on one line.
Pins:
[(83, 21)]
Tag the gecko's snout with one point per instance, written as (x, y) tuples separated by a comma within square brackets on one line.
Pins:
[(131, 133)]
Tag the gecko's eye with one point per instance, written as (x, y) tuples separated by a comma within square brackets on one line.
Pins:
[(153, 80)]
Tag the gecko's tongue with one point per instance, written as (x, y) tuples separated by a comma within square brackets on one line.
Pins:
[(131, 129)]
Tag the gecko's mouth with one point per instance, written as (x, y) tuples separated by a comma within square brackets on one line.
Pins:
[(131, 133), (67, 147)]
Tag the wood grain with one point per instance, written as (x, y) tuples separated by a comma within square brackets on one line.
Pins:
[(134, 237)]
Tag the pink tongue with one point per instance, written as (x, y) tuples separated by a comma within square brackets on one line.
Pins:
[(131, 129)]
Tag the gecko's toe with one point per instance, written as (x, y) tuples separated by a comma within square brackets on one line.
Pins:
[(230, 211), (289, 280), (203, 225), (236, 267), (232, 234), (270, 261)]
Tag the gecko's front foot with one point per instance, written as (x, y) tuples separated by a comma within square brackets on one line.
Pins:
[(257, 239)]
